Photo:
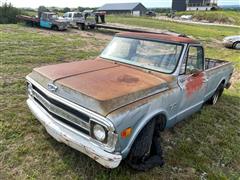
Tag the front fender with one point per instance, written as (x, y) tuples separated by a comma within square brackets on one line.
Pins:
[(135, 118), (138, 128)]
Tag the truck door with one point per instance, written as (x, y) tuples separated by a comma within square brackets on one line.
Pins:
[(45, 21), (192, 82)]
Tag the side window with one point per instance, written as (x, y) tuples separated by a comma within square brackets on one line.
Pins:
[(194, 61), (44, 17), (70, 15)]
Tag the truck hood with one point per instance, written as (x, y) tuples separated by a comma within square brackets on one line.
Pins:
[(99, 85), (64, 21)]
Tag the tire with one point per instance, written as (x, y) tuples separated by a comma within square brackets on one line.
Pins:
[(146, 151), (55, 28), (81, 27), (218, 93), (236, 45), (92, 27)]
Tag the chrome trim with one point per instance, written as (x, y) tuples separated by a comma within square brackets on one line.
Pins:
[(112, 140), (100, 118), (60, 112), (72, 137)]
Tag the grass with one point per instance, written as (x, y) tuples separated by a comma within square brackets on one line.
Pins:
[(206, 145), (227, 17)]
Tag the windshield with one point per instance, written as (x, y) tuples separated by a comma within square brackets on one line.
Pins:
[(160, 56)]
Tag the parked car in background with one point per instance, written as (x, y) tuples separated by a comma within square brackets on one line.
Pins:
[(232, 42), (114, 107), (151, 13), (49, 20), (82, 20), (73, 17)]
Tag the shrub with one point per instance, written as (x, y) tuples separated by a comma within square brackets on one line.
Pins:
[(8, 14)]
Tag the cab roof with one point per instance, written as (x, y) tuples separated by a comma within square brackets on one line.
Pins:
[(159, 37)]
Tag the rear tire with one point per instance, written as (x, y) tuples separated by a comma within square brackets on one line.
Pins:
[(146, 151), (92, 27), (218, 93), (81, 27)]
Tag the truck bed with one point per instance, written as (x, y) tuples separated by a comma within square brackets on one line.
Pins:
[(28, 18), (213, 63)]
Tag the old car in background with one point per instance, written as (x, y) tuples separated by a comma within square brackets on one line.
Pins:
[(114, 107), (49, 20), (82, 20), (151, 14), (232, 42)]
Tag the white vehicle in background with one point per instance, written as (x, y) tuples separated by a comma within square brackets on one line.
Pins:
[(232, 42), (73, 17), (81, 20)]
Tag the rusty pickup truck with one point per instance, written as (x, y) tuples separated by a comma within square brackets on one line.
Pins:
[(114, 107)]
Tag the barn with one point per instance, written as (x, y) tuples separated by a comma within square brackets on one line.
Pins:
[(136, 9), (194, 5)]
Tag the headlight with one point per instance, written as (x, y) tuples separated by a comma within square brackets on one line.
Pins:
[(29, 89), (99, 132)]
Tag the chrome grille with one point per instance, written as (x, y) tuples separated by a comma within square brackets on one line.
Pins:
[(61, 112)]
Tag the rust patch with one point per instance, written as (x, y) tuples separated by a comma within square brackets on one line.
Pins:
[(63, 70), (104, 84), (128, 79), (163, 37), (194, 83)]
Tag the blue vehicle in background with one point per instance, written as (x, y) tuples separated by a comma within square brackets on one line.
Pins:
[(49, 20)]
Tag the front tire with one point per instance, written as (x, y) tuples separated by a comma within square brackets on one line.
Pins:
[(81, 27), (55, 28), (146, 151)]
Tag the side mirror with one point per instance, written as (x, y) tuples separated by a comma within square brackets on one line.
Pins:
[(195, 72)]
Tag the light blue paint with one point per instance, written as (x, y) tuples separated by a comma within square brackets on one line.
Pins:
[(45, 24)]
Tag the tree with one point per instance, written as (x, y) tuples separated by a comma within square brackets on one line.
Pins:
[(66, 9), (42, 9), (8, 14)]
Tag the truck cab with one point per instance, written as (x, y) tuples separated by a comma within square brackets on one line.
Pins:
[(50, 20), (73, 17)]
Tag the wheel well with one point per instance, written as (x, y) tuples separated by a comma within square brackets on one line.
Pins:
[(54, 26), (161, 121), (223, 82), (234, 44)]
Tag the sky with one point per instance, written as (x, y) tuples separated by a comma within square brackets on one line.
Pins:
[(98, 3)]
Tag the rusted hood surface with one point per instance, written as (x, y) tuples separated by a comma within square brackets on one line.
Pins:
[(99, 85)]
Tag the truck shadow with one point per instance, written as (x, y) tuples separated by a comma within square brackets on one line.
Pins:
[(221, 114)]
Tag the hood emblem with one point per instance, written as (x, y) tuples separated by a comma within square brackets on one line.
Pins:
[(52, 87)]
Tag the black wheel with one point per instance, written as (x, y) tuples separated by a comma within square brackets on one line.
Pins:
[(81, 27), (92, 27), (55, 28), (146, 151), (214, 99), (236, 45)]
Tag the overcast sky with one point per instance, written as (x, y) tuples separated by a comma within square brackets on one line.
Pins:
[(98, 3)]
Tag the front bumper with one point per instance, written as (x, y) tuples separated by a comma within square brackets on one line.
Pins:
[(72, 138)]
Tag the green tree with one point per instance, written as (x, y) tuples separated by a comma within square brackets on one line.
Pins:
[(8, 14), (42, 9), (66, 9)]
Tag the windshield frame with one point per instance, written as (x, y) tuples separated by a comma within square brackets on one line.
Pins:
[(147, 68)]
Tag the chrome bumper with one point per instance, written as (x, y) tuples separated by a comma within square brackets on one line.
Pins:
[(72, 138)]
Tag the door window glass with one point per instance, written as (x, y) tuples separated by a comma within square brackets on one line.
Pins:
[(194, 60)]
